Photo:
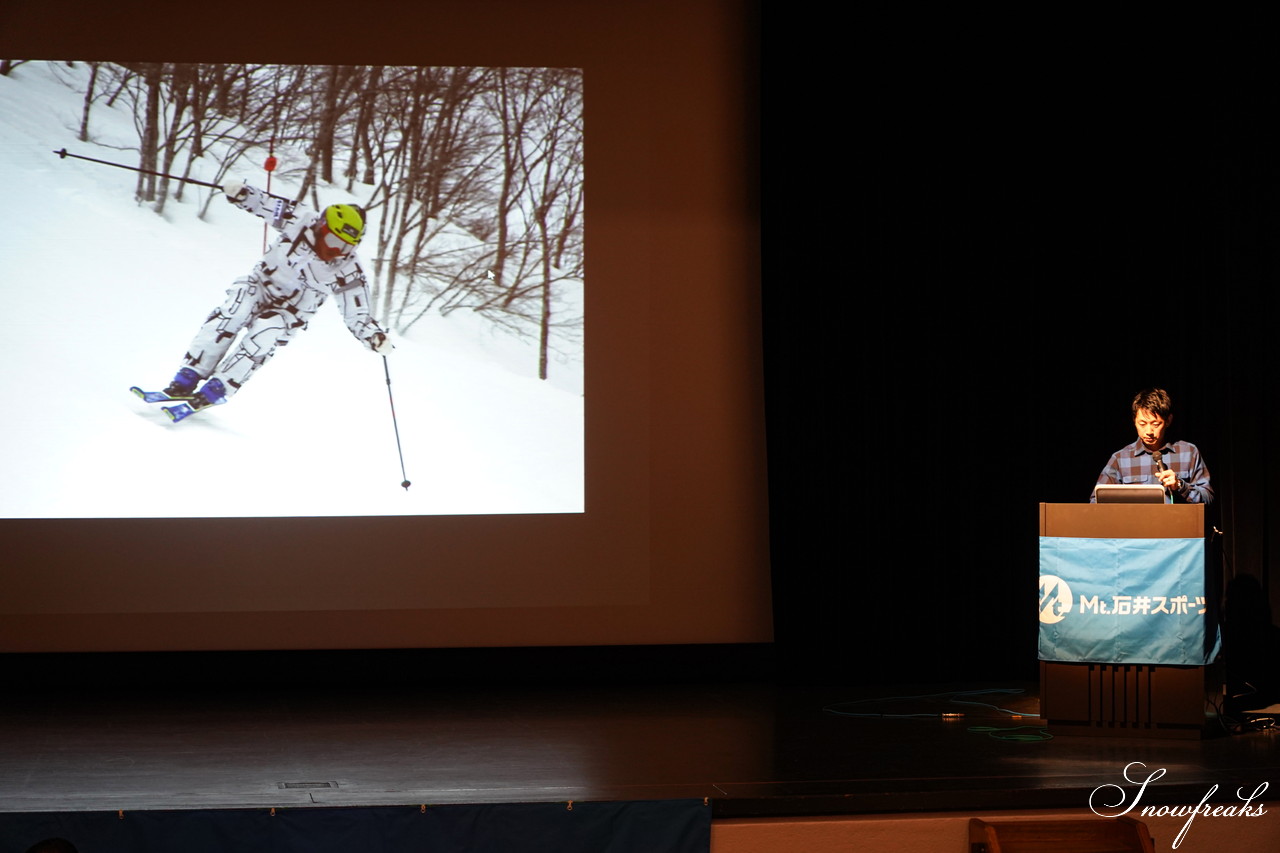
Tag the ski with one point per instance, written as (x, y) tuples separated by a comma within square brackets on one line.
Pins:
[(183, 409), (178, 412), (158, 396)]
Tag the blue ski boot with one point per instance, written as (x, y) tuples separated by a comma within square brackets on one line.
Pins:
[(183, 384), (211, 394)]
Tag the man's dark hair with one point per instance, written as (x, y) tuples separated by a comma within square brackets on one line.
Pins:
[(1154, 400)]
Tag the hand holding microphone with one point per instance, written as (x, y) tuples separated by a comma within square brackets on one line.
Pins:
[(1166, 476)]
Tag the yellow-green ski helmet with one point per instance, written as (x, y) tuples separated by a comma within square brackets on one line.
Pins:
[(346, 222)]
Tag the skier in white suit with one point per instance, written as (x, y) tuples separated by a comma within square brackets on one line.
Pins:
[(313, 258)]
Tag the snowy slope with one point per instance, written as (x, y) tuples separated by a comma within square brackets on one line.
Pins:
[(101, 294)]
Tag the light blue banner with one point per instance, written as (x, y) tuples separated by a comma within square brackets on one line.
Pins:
[(1137, 601)]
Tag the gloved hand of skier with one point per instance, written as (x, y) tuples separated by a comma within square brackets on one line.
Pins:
[(234, 190), (380, 343)]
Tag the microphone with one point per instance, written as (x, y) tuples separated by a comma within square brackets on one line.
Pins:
[(1160, 466)]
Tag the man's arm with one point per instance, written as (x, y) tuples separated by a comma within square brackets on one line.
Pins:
[(274, 209), (351, 292), (1194, 486), (1109, 476)]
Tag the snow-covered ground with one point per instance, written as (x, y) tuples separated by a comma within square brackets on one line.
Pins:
[(100, 293)]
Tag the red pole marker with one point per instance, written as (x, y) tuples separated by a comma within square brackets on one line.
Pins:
[(270, 166)]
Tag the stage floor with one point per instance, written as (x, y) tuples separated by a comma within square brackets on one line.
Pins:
[(750, 749)]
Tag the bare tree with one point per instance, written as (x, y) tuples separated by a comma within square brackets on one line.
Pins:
[(89, 95), (149, 132), (360, 142)]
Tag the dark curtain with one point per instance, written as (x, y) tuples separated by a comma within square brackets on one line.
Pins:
[(966, 279)]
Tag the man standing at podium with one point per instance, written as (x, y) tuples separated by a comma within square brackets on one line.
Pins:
[(1175, 465)]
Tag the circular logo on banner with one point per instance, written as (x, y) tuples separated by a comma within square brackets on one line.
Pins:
[(1055, 599)]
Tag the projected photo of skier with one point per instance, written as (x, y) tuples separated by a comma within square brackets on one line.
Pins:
[(393, 256)]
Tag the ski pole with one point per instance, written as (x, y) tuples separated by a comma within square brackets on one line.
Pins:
[(64, 154), (395, 424)]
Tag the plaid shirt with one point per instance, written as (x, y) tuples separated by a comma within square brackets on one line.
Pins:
[(1133, 464)]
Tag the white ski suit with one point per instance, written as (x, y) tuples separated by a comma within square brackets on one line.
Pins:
[(277, 299)]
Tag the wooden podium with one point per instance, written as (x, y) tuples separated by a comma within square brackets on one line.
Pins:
[(1124, 700)]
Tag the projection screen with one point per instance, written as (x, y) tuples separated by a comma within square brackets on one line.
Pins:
[(578, 414)]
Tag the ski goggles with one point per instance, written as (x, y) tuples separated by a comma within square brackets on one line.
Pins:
[(333, 241), (348, 232)]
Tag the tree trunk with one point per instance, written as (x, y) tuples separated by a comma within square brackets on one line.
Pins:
[(360, 137), (180, 92), (83, 136), (506, 192), (146, 187), (328, 124), (544, 324), (411, 169)]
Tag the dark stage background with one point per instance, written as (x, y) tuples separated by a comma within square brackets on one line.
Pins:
[(976, 250)]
